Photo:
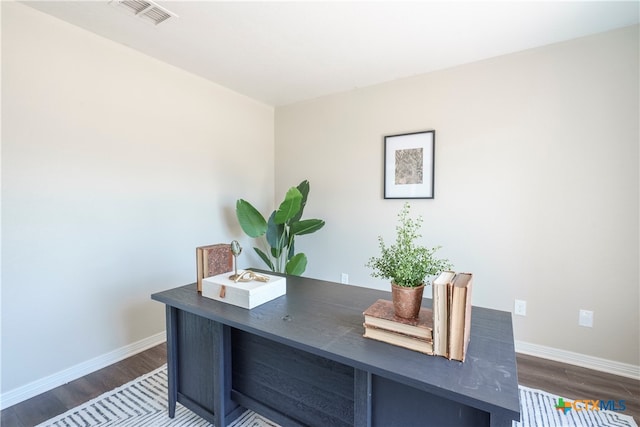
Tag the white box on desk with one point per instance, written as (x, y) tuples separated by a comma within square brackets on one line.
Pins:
[(243, 294)]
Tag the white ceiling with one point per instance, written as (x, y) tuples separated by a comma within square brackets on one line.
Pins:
[(285, 52)]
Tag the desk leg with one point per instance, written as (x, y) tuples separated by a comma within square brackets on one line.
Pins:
[(362, 398), (172, 358), (221, 373)]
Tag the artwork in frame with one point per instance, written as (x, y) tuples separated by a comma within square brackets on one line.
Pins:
[(408, 165)]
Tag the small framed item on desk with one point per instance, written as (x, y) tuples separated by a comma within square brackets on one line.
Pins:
[(248, 291), (212, 260)]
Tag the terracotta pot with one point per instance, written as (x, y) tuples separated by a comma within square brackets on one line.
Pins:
[(406, 301)]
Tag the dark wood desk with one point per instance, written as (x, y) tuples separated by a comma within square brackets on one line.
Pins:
[(301, 360)]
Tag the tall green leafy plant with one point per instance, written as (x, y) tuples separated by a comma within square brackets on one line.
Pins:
[(278, 233)]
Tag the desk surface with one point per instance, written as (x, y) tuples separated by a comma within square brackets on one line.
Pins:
[(325, 318)]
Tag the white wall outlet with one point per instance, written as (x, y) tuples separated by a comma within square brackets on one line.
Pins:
[(585, 318), (344, 278), (520, 307)]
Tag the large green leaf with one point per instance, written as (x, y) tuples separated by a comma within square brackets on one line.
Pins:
[(297, 264), (275, 232), (289, 206), (251, 221), (275, 252), (265, 258), (303, 188), (306, 226)]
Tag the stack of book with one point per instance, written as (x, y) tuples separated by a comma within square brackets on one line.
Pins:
[(380, 323), (443, 331), (452, 314)]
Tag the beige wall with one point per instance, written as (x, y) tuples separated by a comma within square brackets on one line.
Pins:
[(114, 168), (536, 188)]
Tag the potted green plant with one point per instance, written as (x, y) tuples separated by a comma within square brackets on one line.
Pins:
[(278, 233), (408, 265)]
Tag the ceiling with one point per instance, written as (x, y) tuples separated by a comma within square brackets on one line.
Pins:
[(285, 52)]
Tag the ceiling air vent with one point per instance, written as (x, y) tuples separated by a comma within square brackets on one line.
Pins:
[(146, 10)]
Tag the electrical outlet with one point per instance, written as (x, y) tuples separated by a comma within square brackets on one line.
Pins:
[(344, 278), (520, 307), (585, 318)]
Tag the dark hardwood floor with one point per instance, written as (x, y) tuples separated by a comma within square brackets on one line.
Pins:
[(57, 401), (558, 378), (576, 383)]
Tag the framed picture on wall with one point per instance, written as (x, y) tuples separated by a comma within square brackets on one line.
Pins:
[(408, 165)]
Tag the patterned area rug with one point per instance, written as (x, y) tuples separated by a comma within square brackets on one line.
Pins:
[(539, 408), (143, 402)]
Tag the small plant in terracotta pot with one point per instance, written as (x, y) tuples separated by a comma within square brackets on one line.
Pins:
[(407, 264)]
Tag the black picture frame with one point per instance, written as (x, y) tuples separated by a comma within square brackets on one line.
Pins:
[(409, 169)]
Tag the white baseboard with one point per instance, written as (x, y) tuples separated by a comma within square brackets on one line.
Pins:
[(590, 362), (42, 385)]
